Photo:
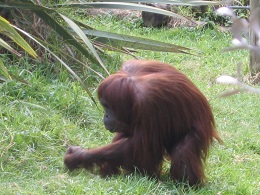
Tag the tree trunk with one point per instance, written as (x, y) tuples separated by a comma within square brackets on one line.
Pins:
[(254, 59)]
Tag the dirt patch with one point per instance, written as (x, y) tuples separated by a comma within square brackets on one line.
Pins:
[(133, 15), (120, 14)]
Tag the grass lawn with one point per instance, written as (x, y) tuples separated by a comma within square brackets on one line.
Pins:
[(39, 121)]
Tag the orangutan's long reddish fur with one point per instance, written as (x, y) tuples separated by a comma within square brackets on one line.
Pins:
[(166, 115)]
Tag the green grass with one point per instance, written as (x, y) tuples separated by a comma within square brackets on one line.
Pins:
[(38, 122)]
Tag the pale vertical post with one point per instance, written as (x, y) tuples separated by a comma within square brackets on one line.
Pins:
[(254, 59)]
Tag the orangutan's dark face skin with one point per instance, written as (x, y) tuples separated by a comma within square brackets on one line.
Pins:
[(110, 120)]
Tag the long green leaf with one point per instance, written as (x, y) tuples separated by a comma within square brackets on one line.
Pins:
[(100, 46), (172, 2), (9, 48), (62, 62), (116, 5), (65, 34), (28, 5), (9, 31), (84, 38), (119, 40), (25, 5), (4, 71)]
